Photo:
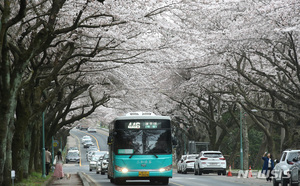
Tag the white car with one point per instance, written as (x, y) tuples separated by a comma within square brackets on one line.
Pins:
[(93, 162), (89, 154), (179, 163), (86, 138), (210, 161), (90, 129), (188, 163), (282, 169)]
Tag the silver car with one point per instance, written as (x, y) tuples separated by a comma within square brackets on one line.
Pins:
[(102, 164)]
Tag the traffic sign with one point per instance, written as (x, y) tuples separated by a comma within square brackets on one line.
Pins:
[(55, 143)]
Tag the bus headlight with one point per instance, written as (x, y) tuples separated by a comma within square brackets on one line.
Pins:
[(167, 168), (121, 169)]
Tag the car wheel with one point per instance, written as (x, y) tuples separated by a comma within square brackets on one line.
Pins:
[(97, 172), (195, 171), (102, 173), (275, 183), (219, 173), (284, 181), (200, 172), (224, 172), (90, 169)]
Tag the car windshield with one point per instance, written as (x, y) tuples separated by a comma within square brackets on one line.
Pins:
[(212, 155), (72, 154), (143, 142), (86, 137), (106, 156), (95, 158)]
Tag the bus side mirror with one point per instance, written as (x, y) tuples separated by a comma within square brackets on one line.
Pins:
[(174, 141), (109, 140)]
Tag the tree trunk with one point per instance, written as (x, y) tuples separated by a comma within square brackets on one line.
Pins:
[(245, 146)]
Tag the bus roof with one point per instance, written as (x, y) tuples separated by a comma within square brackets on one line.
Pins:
[(141, 117)]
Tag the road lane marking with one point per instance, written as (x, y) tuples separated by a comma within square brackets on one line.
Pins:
[(93, 137), (78, 148), (176, 184)]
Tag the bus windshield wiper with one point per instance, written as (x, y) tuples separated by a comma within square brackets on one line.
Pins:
[(154, 155), (132, 154)]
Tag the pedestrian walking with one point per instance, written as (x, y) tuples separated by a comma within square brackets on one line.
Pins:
[(58, 162), (48, 160), (268, 166)]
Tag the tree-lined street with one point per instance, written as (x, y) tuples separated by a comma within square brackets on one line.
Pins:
[(226, 72)]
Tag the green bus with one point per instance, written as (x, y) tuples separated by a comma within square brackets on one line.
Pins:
[(140, 148)]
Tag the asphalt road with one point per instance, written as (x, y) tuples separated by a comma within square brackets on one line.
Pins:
[(100, 139)]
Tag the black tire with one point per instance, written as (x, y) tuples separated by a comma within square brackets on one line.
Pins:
[(199, 172), (102, 173), (90, 169), (195, 171), (224, 172), (97, 172), (165, 181), (284, 181), (219, 173), (275, 183)]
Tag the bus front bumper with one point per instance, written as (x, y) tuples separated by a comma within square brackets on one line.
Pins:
[(143, 174)]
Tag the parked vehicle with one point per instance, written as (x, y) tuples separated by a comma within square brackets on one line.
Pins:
[(188, 163), (282, 169), (86, 138), (295, 172), (91, 129), (210, 161), (72, 157), (179, 163), (102, 164)]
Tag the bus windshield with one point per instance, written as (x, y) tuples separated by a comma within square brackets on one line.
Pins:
[(143, 141)]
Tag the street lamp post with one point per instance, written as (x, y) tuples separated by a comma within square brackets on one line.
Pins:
[(43, 150), (241, 138)]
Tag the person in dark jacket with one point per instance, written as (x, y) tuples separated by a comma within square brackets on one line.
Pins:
[(268, 166)]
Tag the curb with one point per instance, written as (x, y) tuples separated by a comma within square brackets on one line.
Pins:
[(83, 179), (49, 181)]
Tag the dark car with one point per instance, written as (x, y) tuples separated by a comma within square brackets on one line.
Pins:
[(72, 157), (295, 172)]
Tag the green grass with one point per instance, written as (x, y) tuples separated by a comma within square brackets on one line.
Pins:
[(35, 179)]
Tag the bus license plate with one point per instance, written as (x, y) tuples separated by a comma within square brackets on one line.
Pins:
[(144, 174)]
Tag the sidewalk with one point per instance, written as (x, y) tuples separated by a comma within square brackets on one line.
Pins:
[(69, 179)]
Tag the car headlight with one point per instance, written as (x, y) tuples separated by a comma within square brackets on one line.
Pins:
[(121, 169), (167, 168)]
